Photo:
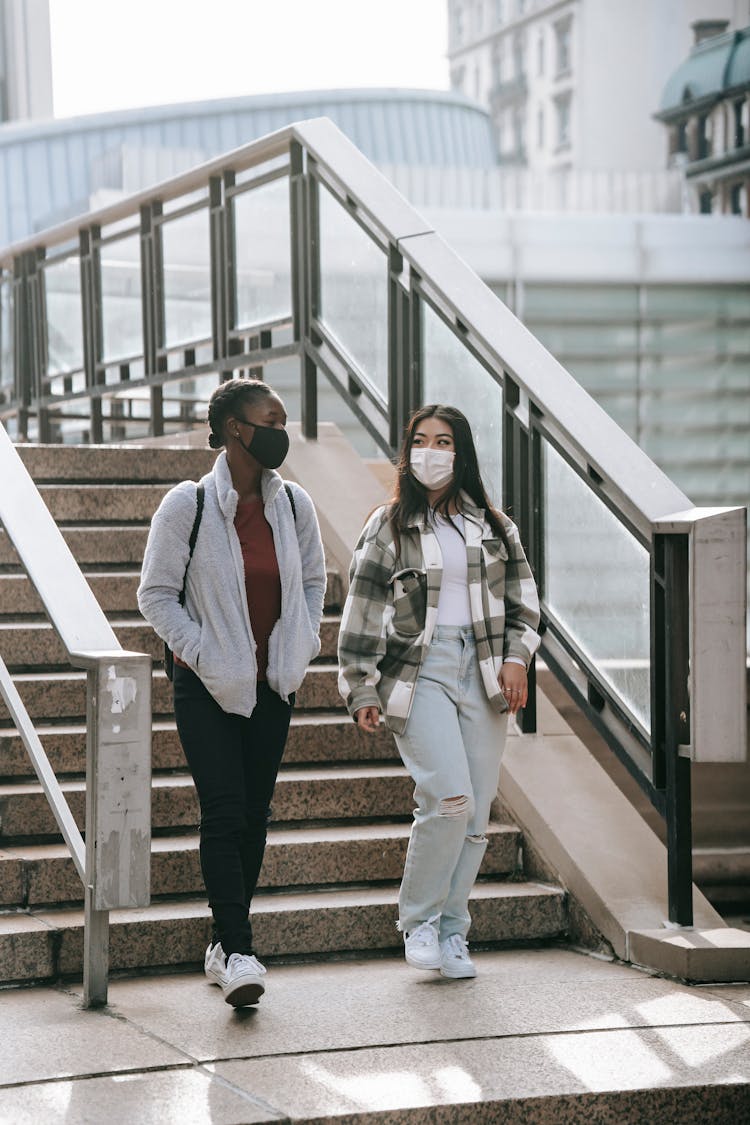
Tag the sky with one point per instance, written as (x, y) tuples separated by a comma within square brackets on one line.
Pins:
[(116, 54)]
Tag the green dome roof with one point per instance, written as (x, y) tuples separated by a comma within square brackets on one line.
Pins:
[(713, 66)]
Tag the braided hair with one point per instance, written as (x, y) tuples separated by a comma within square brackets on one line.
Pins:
[(227, 402)]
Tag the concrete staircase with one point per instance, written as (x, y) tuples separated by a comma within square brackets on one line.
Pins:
[(342, 806)]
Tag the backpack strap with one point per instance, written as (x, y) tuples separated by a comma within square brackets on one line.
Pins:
[(290, 494), (199, 497)]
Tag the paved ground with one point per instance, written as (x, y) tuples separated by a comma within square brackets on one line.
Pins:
[(348, 1039)]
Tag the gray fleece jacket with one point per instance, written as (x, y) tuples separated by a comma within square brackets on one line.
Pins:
[(212, 632)]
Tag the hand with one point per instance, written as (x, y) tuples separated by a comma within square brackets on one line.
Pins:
[(515, 685), (367, 719)]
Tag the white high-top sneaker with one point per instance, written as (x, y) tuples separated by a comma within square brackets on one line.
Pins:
[(243, 982)]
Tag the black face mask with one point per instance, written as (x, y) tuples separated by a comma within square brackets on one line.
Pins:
[(268, 445)]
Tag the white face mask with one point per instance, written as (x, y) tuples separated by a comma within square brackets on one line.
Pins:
[(432, 467)]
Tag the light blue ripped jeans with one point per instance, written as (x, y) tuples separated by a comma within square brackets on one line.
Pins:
[(452, 747)]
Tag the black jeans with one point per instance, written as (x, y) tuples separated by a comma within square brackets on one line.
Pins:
[(234, 762)]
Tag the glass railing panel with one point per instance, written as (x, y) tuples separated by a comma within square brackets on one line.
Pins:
[(62, 282), (122, 317), (452, 375), (6, 336), (597, 584), (185, 402), (354, 291), (70, 422), (262, 255), (187, 278)]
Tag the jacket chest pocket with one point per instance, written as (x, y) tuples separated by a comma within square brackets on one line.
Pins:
[(494, 560), (409, 601)]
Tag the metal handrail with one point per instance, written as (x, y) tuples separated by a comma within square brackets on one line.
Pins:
[(118, 741), (544, 406)]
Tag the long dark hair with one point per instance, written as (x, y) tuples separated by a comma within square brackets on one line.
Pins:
[(410, 497)]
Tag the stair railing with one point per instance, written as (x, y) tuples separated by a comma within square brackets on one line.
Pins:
[(643, 595), (114, 862)]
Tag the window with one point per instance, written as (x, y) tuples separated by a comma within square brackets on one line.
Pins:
[(540, 127), (562, 105), (519, 65), (478, 17), (497, 65), (521, 7), (563, 36), (458, 24), (457, 79), (682, 137), (540, 54), (705, 202), (499, 11), (499, 136), (477, 83), (735, 199), (703, 138), (739, 125), (519, 131)]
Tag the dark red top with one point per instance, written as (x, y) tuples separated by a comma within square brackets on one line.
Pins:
[(262, 580)]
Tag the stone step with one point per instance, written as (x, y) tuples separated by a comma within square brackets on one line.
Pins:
[(100, 503), (62, 695), (115, 463), (342, 793), (43, 874), (93, 546), (312, 738), (115, 591), (48, 943), (25, 646)]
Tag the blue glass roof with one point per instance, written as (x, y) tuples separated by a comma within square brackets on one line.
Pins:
[(49, 169)]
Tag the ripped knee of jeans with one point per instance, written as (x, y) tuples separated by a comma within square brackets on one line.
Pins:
[(454, 806)]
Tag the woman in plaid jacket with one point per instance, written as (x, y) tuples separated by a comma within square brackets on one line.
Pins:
[(438, 631)]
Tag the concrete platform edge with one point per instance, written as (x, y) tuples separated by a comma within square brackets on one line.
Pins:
[(611, 862)]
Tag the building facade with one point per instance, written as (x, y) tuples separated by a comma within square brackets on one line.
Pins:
[(571, 84), (706, 108), (25, 60)]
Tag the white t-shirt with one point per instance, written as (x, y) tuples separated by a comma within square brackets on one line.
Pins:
[(453, 602)]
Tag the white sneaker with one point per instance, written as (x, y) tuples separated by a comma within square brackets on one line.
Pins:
[(421, 946), (242, 983), (215, 964), (454, 958)]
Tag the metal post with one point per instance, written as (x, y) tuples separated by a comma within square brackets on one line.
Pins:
[(95, 952), (151, 290), (398, 349), (415, 368), (677, 729), (311, 245), (518, 488), (22, 343), (300, 189), (118, 801), (91, 319), (38, 339), (218, 233)]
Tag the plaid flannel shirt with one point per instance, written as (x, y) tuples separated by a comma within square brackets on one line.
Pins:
[(391, 610)]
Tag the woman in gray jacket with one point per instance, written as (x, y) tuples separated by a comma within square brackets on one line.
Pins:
[(242, 640)]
